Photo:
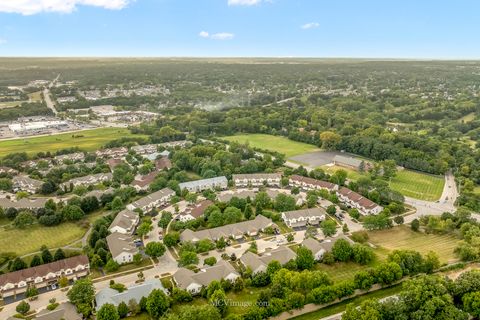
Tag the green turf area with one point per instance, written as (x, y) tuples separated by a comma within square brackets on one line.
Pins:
[(10, 104), (351, 174), (35, 96), (402, 237), (274, 143), (418, 185), (340, 271), (30, 239), (467, 118), (341, 306), (88, 140)]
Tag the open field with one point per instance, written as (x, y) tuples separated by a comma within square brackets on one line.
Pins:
[(35, 96), (88, 140), (10, 104), (351, 174), (402, 237), (32, 238), (340, 271), (273, 143), (418, 185), (467, 118)]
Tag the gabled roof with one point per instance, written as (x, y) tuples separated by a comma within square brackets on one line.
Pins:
[(203, 182), (347, 160), (43, 270), (185, 277), (312, 244), (200, 208), (145, 201), (306, 213), (281, 254), (315, 182), (119, 243), (145, 180), (357, 198), (257, 176), (124, 219), (23, 203), (135, 292)]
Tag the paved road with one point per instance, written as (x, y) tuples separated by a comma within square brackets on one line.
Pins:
[(48, 98)]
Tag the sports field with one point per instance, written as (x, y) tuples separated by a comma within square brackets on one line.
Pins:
[(402, 237), (418, 185), (273, 143), (30, 239), (88, 140)]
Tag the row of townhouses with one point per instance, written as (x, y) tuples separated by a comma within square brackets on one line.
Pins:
[(205, 184), (24, 203), (257, 180), (258, 263), (235, 230), (44, 275), (300, 218), (25, 183), (88, 180), (153, 200)]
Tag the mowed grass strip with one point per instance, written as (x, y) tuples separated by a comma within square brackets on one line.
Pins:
[(30, 239), (87, 140), (418, 185), (402, 237), (279, 144), (340, 271)]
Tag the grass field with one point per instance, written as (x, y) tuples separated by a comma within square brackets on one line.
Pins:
[(10, 104), (35, 96), (88, 140), (340, 271), (467, 118), (402, 237), (273, 143), (30, 239), (351, 174), (418, 185)]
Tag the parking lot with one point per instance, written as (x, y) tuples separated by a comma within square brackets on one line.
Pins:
[(318, 158)]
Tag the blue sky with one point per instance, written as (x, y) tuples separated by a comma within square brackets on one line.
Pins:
[(214, 28)]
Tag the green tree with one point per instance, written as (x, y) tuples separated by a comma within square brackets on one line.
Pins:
[(157, 303), (23, 308), (23, 219), (187, 258), (330, 140), (72, 212), (36, 261), (155, 249), (305, 259), (284, 203), (471, 303), (171, 239), (342, 250), (59, 255), (82, 294), (122, 309), (415, 225), (111, 265), (107, 312), (329, 227), (219, 300)]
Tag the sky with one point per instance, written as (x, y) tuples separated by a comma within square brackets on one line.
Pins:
[(425, 29)]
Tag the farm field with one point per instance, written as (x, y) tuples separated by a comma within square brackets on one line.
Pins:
[(418, 185), (32, 238), (402, 237), (273, 143), (88, 140)]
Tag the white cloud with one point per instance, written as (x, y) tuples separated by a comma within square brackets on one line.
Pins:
[(243, 2), (310, 25), (29, 7), (217, 36), (2, 41), (222, 36)]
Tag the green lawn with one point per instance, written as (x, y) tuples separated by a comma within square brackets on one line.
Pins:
[(351, 174), (467, 118), (418, 185), (340, 271), (274, 143), (341, 306), (402, 237), (88, 140), (30, 239)]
